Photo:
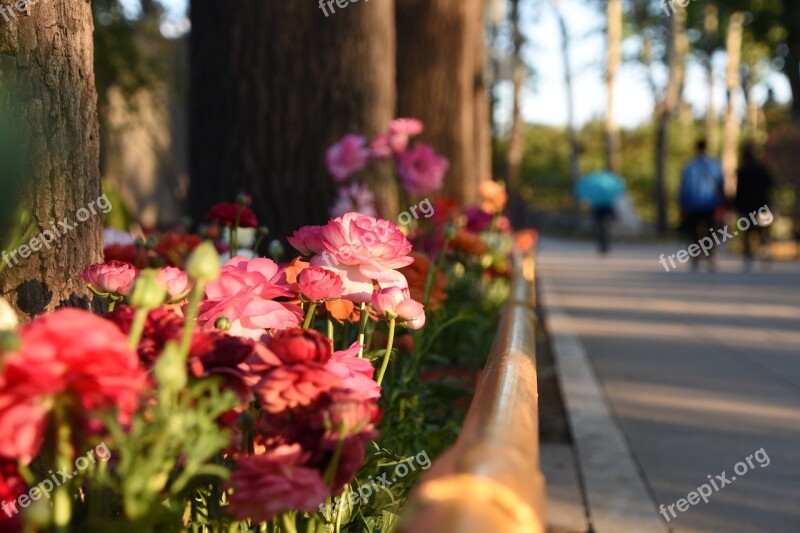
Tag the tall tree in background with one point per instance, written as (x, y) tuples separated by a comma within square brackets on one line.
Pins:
[(572, 134), (47, 89), (273, 84), (515, 139), (436, 73), (483, 112), (733, 47), (614, 35), (676, 55), (790, 18)]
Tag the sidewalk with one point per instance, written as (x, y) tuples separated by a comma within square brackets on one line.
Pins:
[(673, 377)]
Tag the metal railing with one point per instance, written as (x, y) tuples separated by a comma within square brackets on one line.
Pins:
[(490, 481)]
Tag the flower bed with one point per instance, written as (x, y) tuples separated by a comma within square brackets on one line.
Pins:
[(219, 390)]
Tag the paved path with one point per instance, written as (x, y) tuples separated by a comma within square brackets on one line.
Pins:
[(699, 371)]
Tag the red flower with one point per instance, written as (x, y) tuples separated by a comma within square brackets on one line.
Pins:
[(278, 481), (318, 284), (292, 386), (225, 213), (69, 352), (12, 486), (347, 413), (176, 247), (298, 345), (163, 324), (138, 256)]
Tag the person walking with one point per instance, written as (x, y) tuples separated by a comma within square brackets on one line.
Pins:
[(754, 185), (601, 190), (702, 194)]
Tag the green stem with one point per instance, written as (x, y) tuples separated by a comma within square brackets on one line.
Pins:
[(62, 499), (137, 328), (288, 524), (433, 273), (310, 315), (191, 317), (362, 327), (333, 466), (330, 329), (112, 303), (388, 352)]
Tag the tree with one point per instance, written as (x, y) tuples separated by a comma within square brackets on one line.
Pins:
[(516, 137), (614, 33), (273, 85), (733, 83), (47, 89), (436, 82)]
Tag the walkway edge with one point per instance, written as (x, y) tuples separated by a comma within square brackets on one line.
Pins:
[(617, 495)]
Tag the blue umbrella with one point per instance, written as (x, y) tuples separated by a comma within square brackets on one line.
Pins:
[(600, 189)]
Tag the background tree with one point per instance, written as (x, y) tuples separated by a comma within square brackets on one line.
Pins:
[(436, 82), (47, 88), (273, 85), (614, 39)]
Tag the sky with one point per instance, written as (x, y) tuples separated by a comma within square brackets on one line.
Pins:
[(545, 99)]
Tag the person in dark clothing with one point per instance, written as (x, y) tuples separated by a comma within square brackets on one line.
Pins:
[(701, 195), (754, 185), (603, 217)]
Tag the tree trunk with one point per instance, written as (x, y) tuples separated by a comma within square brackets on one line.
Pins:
[(436, 81), (732, 120), (516, 137), (675, 57), (47, 90), (711, 28), (572, 135), (613, 141), (483, 119), (791, 67), (273, 85)]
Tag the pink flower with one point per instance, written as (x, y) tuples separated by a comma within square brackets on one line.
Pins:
[(396, 141), (295, 386), (360, 249), (114, 277), (245, 293), (421, 170), (357, 198), (347, 413), (356, 372), (318, 284), (299, 345), (307, 240), (69, 352), (347, 156), (278, 481), (397, 303), (176, 281)]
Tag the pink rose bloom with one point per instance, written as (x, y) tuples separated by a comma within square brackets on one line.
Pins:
[(347, 156), (318, 284), (69, 352), (245, 293), (267, 485), (396, 141), (396, 302), (356, 198), (114, 277), (356, 372), (421, 170), (360, 249), (176, 282), (307, 240), (346, 413)]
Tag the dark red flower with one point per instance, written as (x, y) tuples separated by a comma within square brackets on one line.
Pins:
[(297, 345), (226, 213), (12, 486), (176, 247)]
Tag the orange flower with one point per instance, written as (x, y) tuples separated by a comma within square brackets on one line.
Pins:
[(417, 275), (294, 268), (341, 309), (525, 240), (468, 243), (493, 196)]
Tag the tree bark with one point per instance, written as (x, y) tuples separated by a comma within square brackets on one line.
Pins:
[(483, 117), (676, 52), (47, 90), (436, 81), (273, 85), (734, 83), (613, 141), (711, 28)]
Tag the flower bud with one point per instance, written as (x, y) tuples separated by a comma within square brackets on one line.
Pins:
[(244, 199), (149, 291), (203, 264), (9, 341), (276, 250), (170, 368), (223, 323), (8, 317), (450, 232)]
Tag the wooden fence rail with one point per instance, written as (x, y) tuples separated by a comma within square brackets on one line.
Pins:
[(490, 481)]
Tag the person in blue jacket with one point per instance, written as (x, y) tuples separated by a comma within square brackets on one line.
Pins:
[(702, 194)]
